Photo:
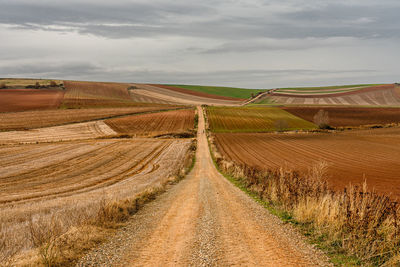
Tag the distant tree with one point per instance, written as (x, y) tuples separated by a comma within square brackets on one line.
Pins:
[(37, 85), (322, 119)]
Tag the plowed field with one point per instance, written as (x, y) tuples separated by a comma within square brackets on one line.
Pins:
[(352, 156), (381, 95), (349, 116), (35, 119), (96, 94), (253, 119), (176, 121), (12, 100), (71, 178)]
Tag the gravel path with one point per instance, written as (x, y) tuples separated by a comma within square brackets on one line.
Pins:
[(205, 221)]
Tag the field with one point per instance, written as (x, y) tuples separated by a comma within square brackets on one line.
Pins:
[(12, 100), (380, 95), (349, 116), (95, 94), (159, 94), (352, 156), (74, 131), (253, 119), (215, 91), (66, 182), (45, 118), (325, 89), (20, 83), (152, 124)]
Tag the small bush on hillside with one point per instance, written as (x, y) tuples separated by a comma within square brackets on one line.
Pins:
[(3, 86), (53, 84), (322, 119)]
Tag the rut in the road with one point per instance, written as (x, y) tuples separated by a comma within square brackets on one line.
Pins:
[(205, 221)]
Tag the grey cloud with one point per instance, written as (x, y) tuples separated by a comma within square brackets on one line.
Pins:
[(206, 20)]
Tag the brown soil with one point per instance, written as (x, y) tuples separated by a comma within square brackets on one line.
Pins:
[(204, 221), (349, 116), (96, 94), (12, 100), (190, 92), (36, 119), (177, 121), (352, 156)]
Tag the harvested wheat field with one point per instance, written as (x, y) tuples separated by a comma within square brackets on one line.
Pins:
[(74, 131), (96, 94), (351, 156), (254, 119), (152, 124), (12, 100), (45, 118), (349, 116), (70, 179)]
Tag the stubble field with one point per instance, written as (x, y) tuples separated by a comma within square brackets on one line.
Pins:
[(68, 180)]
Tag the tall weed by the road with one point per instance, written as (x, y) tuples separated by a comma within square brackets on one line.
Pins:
[(355, 221)]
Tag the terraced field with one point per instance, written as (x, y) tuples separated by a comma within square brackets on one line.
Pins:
[(381, 95), (70, 179), (253, 119), (352, 156), (96, 94), (349, 116), (12, 100), (45, 118), (152, 124)]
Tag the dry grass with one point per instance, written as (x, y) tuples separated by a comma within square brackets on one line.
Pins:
[(59, 231), (355, 221)]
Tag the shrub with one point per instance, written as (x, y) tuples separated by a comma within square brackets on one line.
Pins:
[(322, 119), (53, 84), (37, 85), (3, 86)]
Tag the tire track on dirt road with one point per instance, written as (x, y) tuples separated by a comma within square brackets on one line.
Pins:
[(205, 221)]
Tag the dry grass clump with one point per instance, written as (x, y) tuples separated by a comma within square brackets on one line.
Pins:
[(355, 221)]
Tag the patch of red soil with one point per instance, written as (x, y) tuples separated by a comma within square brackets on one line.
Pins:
[(190, 92), (349, 116), (352, 156), (12, 100)]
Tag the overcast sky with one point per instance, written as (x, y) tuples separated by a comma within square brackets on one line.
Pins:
[(243, 43)]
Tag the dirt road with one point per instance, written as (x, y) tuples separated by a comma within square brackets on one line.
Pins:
[(204, 221)]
